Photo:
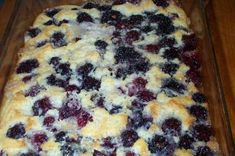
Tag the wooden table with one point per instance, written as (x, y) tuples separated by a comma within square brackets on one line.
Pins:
[(221, 17)]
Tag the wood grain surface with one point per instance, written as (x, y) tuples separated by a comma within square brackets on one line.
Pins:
[(221, 20)]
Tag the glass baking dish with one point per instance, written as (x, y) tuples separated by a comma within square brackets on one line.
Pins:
[(25, 11)]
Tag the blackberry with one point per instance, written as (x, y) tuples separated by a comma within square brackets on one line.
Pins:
[(171, 86), (58, 40), (171, 126), (84, 17), (199, 112), (170, 68), (41, 106), (129, 137), (111, 17), (16, 132), (27, 66)]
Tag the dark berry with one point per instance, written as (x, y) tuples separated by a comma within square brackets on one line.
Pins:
[(129, 137), (171, 86), (108, 142), (147, 29), (71, 108), (146, 96), (170, 54), (199, 112), (158, 143), (130, 154), (83, 118), (51, 12), (119, 2), (27, 78), (71, 88), (191, 58), (58, 40), (30, 153), (38, 139), (134, 1), (104, 7), (194, 76), (202, 132), (111, 17), (64, 69), (204, 151), (55, 61), (49, 22), (115, 109), (41, 43), (62, 22), (41, 106), (171, 126), (137, 85), (123, 24), (67, 150), (186, 141), (17, 131), (60, 136), (90, 83), (132, 36), (138, 120), (136, 19), (33, 32), (85, 69), (170, 68), (48, 121), (167, 42), (190, 42), (90, 5), (126, 54), (53, 81), (27, 66), (101, 45), (136, 104), (98, 153), (33, 91), (84, 17), (165, 25), (162, 3), (199, 97), (152, 48)]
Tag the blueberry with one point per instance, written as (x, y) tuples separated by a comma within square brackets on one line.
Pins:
[(33, 32), (30, 153), (194, 76), (136, 19), (202, 132), (108, 143), (60, 136), (41, 43), (64, 69), (83, 117), (55, 61), (129, 137), (204, 151), (41, 106), (167, 42), (85, 69), (111, 17), (199, 112), (90, 83), (152, 48), (27, 66), (58, 40), (162, 3), (126, 54), (49, 22), (84, 17), (38, 139), (33, 91), (147, 29), (146, 96), (104, 7), (53, 81), (90, 5), (67, 150), (52, 12), (138, 120), (171, 86), (186, 141), (101, 45), (170, 68), (132, 36), (115, 109), (70, 108), (199, 97), (171, 126), (48, 121), (16, 132), (98, 153), (170, 54), (158, 143)]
